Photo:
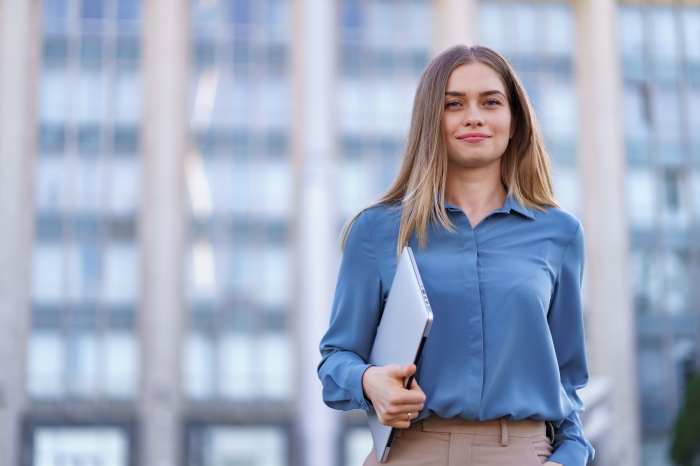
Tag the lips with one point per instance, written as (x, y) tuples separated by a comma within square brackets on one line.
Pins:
[(473, 137)]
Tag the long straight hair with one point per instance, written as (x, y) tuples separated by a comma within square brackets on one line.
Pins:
[(419, 187)]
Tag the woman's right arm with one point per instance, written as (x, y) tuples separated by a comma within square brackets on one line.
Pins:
[(348, 381), (355, 315)]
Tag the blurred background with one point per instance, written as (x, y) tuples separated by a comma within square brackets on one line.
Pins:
[(174, 175)]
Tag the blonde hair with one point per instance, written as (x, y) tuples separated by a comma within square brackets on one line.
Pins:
[(419, 186)]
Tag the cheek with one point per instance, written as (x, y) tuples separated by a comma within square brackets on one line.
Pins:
[(447, 124), (504, 127)]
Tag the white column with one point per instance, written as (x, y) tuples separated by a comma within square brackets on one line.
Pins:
[(19, 54), (610, 312), (162, 227), (455, 23), (314, 51)]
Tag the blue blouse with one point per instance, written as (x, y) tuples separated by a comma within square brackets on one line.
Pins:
[(507, 337)]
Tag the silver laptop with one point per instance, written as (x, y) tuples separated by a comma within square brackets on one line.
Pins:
[(400, 336)]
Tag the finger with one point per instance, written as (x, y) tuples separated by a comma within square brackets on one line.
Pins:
[(401, 410), (400, 422), (400, 372), (415, 388), (413, 407), (397, 424), (409, 370), (403, 396)]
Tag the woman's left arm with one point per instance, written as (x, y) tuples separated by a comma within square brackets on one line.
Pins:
[(565, 320)]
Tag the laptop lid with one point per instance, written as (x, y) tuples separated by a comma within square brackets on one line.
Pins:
[(400, 337)]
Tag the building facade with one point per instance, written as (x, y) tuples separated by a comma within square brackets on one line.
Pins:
[(163, 161)]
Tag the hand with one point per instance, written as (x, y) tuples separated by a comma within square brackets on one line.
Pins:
[(384, 388)]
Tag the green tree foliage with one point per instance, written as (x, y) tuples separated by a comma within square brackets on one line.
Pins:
[(686, 442)]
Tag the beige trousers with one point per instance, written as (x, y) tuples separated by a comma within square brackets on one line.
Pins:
[(457, 442)]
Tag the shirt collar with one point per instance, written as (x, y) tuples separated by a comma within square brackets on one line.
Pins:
[(511, 204)]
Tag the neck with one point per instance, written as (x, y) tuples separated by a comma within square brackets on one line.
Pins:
[(475, 189)]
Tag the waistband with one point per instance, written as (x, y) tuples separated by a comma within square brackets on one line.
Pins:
[(499, 427)]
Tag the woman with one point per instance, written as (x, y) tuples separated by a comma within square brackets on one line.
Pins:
[(502, 267)]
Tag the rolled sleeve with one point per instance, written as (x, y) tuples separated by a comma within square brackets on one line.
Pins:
[(355, 315), (566, 325)]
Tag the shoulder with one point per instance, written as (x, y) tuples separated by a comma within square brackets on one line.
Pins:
[(563, 225), (377, 220), (376, 226), (567, 234)]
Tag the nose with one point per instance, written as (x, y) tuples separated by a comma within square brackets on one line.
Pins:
[(472, 117)]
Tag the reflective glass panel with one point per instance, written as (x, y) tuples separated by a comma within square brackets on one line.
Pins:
[(72, 446), (227, 445), (383, 48), (239, 181), (85, 266), (358, 444), (46, 365)]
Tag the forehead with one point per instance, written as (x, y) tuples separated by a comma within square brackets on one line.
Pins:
[(474, 77)]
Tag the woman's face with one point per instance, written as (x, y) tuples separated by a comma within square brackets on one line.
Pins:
[(476, 120)]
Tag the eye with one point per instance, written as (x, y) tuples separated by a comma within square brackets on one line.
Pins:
[(492, 102), (452, 104)]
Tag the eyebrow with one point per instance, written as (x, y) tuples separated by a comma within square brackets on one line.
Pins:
[(481, 94)]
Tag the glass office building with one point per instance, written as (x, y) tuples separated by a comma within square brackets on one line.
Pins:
[(84, 394), (660, 54), (238, 349), (83, 349), (382, 48), (537, 39)]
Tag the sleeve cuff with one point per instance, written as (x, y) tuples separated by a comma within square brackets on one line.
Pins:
[(570, 453), (355, 377)]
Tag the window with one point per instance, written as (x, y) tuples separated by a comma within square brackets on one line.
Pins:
[(558, 36), (82, 363), (90, 97), (198, 374), (121, 356), (127, 96), (537, 39), (239, 181), (664, 47), (694, 118), (85, 267), (667, 122), (53, 94), (224, 445), (641, 196), (524, 35), (47, 285), (237, 366), (121, 273), (89, 178), (677, 296), (46, 364), (637, 118), (632, 41), (72, 446), (383, 48), (358, 444), (647, 278), (659, 122), (124, 187)]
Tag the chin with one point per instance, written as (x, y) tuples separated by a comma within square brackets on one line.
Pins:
[(473, 160)]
